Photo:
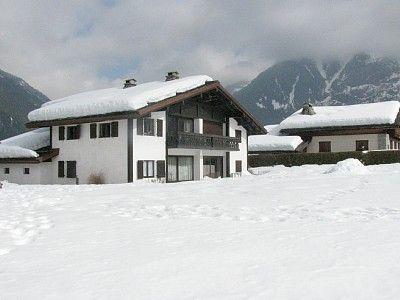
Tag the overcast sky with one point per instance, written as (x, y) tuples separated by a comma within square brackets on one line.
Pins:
[(64, 47)]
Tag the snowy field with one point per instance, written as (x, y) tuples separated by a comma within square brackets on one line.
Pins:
[(312, 232)]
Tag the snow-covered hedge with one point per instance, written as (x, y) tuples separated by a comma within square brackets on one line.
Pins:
[(298, 159)]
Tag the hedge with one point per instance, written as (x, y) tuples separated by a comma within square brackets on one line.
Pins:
[(298, 159)]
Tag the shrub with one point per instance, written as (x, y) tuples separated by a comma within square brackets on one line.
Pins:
[(298, 159), (96, 178)]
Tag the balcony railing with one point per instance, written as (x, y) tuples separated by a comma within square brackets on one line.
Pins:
[(202, 141)]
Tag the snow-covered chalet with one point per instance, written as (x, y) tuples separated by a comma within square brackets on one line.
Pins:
[(314, 129), (180, 129)]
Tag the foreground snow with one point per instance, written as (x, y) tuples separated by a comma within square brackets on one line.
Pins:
[(290, 233)]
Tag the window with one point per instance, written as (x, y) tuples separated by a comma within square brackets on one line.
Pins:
[(324, 146), (73, 132), (26, 171), (105, 130), (180, 168), (148, 126), (71, 169), (159, 127), (185, 125), (114, 129), (93, 131), (61, 133), (238, 164), (238, 135), (362, 145), (145, 169), (61, 169), (6, 170), (145, 126)]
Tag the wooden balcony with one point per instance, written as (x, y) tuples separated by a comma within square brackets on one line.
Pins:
[(202, 141)]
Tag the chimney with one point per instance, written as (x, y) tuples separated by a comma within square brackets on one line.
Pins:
[(129, 83), (172, 76), (308, 109)]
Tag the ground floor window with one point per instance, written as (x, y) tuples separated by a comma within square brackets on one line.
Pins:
[(212, 166), (325, 147), (362, 145), (6, 170), (26, 171), (180, 168), (148, 168)]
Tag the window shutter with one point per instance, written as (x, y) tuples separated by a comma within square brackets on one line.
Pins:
[(160, 168), (61, 169), (71, 169), (140, 169), (159, 127), (238, 166), (61, 133), (78, 132), (93, 131), (114, 129), (139, 126)]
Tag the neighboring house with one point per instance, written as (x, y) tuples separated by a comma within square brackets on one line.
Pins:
[(273, 142), (177, 130), (26, 158), (374, 126)]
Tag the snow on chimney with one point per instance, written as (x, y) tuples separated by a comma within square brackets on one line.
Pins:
[(130, 82), (172, 76)]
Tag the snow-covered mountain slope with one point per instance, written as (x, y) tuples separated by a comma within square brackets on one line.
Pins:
[(17, 99), (311, 232), (283, 88)]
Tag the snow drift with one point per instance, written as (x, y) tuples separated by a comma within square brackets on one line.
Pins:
[(348, 166)]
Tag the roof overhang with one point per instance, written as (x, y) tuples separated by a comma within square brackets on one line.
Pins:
[(252, 124), (340, 130), (43, 157)]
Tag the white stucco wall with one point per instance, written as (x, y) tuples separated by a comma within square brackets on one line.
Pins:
[(344, 143), (242, 153), (39, 173), (147, 147), (107, 156)]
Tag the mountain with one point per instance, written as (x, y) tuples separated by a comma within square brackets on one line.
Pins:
[(285, 87), (17, 98)]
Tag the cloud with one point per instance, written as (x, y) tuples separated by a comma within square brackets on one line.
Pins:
[(63, 47)]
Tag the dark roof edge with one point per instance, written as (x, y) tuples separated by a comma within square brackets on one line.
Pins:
[(44, 156)]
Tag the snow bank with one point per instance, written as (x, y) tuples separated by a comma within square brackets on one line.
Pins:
[(273, 143), (16, 152), (348, 166), (32, 140), (115, 99), (350, 115)]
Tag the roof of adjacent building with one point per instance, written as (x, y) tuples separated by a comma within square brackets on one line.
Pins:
[(273, 141), (25, 145), (382, 113)]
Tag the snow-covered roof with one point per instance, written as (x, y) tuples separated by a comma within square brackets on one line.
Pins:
[(16, 152), (115, 99), (24, 145), (350, 115), (273, 141), (32, 140)]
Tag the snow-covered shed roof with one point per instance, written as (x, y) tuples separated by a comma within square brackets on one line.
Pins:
[(382, 113), (115, 99), (273, 141), (26, 144)]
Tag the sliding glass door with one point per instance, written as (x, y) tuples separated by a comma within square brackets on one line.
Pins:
[(180, 168)]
